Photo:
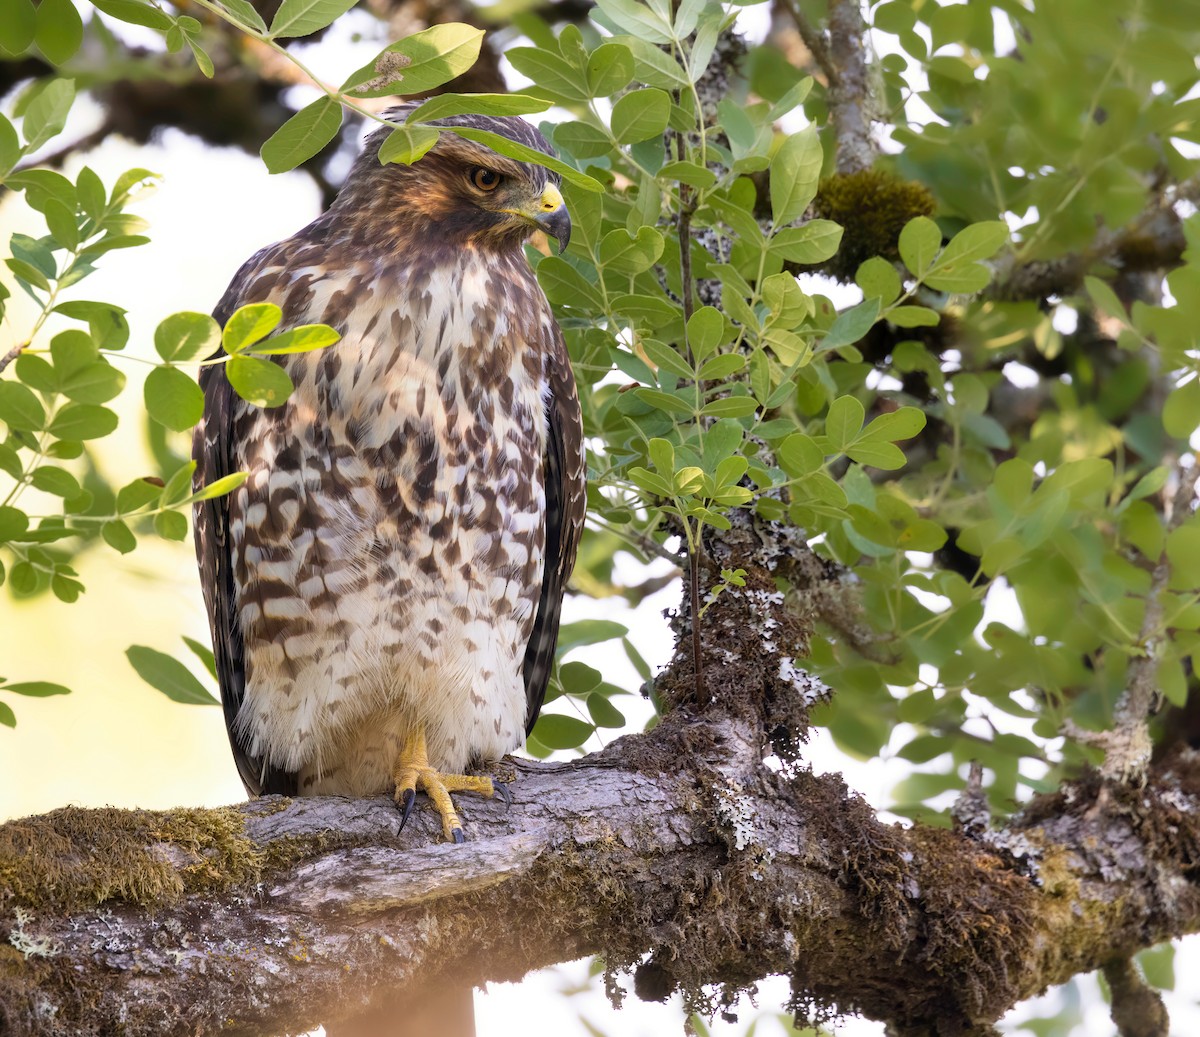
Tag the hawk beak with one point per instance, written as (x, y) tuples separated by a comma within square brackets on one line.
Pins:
[(553, 218)]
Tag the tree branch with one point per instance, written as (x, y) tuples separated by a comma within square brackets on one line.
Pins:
[(678, 844), (849, 89), (814, 39)]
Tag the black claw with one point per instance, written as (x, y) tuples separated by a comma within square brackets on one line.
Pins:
[(457, 835), (410, 799), (502, 791)]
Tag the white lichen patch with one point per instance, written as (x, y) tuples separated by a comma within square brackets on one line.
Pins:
[(809, 687), (736, 815), (29, 944)]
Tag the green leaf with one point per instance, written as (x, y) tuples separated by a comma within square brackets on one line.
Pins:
[(629, 255), (1105, 299), (975, 242), (17, 27), (691, 173), (250, 324), (304, 17), (844, 421), (560, 732), (652, 66), (73, 351), (919, 242), (603, 712), (662, 454), (609, 69), (581, 140), (170, 525), (13, 522), (444, 105), (36, 689), (7, 717), (59, 30), (219, 487), (57, 481), (407, 144), (705, 331), (887, 456), (244, 11), (204, 654), (118, 536), (10, 146), (504, 146), (795, 170), (169, 676), (135, 12), (640, 114), (303, 135), (730, 407), (667, 359), (173, 399), (19, 408), (800, 455), (203, 61), (909, 316), (637, 19), (1183, 551), (566, 286), (261, 382), (1181, 412), (46, 114), (419, 63), (551, 73), (36, 373), (720, 367), (903, 423), (878, 278), (83, 421), (851, 325), (186, 336), (812, 242), (664, 401), (302, 339), (964, 279), (136, 495)]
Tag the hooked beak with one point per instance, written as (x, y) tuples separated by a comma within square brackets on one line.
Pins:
[(552, 216)]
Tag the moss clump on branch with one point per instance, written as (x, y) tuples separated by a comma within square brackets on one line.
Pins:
[(872, 206), (74, 858)]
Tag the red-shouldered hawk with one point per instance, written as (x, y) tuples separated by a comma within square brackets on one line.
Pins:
[(384, 589)]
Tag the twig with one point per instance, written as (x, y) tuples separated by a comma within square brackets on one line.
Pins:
[(697, 648), (11, 355), (1127, 745), (1137, 1008), (814, 40), (849, 89)]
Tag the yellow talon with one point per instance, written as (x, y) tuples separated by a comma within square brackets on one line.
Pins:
[(413, 772)]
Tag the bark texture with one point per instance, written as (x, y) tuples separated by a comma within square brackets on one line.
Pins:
[(677, 854)]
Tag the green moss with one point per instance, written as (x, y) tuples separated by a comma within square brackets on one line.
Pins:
[(872, 206), (73, 858)]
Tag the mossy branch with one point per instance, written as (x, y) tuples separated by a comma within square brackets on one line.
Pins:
[(676, 854)]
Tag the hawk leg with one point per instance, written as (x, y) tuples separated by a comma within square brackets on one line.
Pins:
[(412, 772)]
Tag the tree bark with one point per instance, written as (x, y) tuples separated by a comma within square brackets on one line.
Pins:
[(679, 855)]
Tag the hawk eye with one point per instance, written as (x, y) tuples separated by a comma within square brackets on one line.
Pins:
[(485, 179)]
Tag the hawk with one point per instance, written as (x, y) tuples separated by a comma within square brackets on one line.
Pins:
[(384, 589)]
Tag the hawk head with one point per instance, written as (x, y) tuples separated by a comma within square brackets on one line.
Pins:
[(459, 193)]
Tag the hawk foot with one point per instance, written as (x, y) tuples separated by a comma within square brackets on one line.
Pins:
[(413, 772)]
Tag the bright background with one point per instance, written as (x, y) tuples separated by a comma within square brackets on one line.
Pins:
[(116, 741)]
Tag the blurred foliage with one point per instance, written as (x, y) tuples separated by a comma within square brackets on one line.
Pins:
[(985, 435)]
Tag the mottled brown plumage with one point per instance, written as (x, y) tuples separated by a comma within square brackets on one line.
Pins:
[(394, 565)]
